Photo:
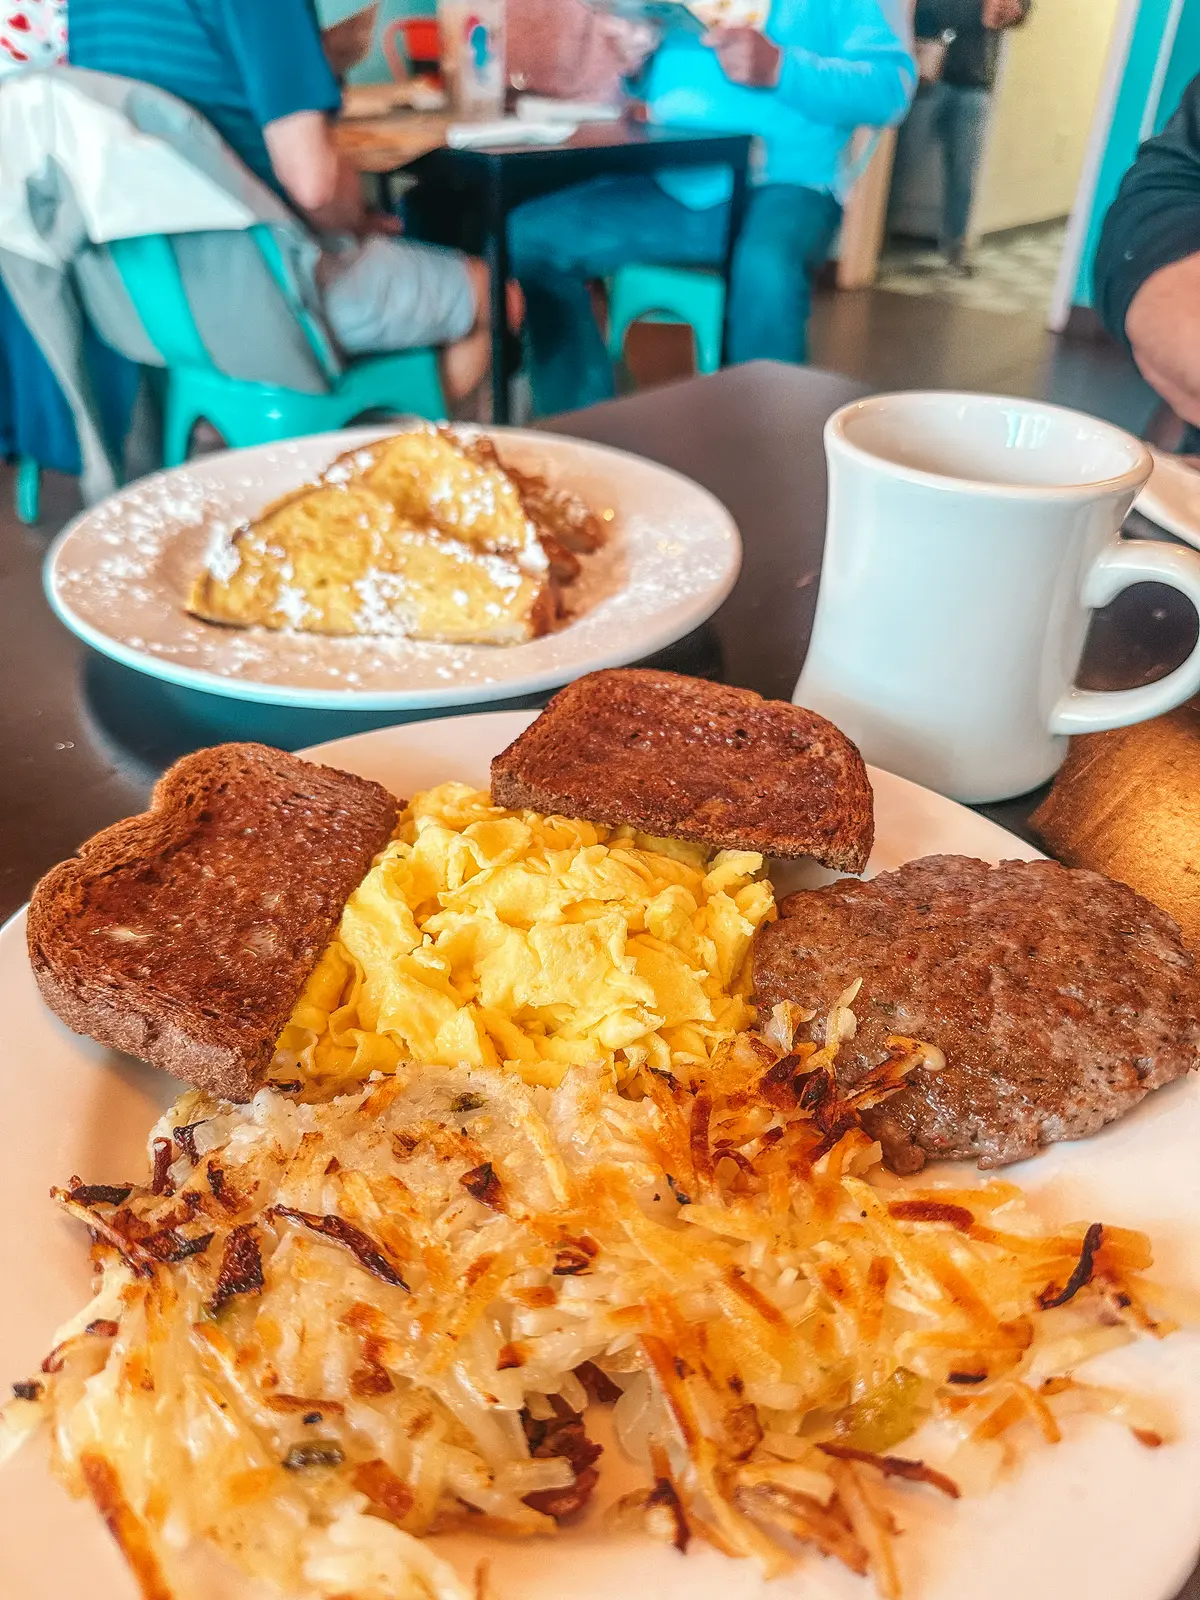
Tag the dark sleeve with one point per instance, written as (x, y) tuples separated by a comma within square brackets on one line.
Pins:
[(278, 50), (935, 16), (1155, 218)]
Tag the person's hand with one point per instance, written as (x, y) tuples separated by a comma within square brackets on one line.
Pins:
[(629, 43), (998, 14), (385, 222), (746, 56)]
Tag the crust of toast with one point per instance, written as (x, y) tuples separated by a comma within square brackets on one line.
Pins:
[(683, 758), (186, 934)]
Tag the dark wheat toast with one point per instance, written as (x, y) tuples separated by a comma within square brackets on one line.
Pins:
[(186, 934), (687, 759)]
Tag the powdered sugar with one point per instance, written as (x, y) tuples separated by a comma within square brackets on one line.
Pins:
[(121, 573)]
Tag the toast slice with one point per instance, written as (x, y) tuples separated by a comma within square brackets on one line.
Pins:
[(686, 759), (186, 934)]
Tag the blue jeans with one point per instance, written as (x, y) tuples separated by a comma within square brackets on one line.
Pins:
[(960, 119), (559, 242)]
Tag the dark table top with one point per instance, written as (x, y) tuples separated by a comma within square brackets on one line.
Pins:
[(463, 193), (85, 738)]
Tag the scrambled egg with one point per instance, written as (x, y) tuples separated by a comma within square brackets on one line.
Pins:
[(504, 938)]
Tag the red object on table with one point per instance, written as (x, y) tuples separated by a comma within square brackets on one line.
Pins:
[(422, 45)]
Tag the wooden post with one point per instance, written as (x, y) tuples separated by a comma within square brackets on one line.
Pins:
[(865, 216)]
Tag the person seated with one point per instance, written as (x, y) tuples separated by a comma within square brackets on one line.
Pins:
[(257, 71), (802, 84), (565, 50), (1146, 279)]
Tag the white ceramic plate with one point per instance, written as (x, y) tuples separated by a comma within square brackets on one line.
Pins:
[(119, 574), (1097, 1516), (1172, 497)]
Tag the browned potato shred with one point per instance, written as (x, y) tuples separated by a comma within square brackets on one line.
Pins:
[(388, 1315)]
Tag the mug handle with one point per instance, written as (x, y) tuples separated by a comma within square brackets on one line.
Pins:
[(1118, 566)]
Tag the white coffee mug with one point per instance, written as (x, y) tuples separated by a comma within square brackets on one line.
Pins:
[(969, 538)]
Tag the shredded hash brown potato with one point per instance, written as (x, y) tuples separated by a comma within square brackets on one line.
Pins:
[(497, 938), (323, 1330)]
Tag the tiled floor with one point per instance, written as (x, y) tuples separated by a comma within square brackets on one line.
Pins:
[(1013, 271)]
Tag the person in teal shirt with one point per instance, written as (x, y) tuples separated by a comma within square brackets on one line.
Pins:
[(816, 71)]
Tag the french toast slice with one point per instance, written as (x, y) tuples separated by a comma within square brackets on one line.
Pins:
[(186, 934), (683, 758), (431, 481), (560, 516), (337, 559)]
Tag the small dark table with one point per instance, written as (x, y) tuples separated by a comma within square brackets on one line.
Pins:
[(464, 197)]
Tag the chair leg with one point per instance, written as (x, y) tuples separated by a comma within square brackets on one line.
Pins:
[(27, 492), (178, 421), (620, 319), (708, 346)]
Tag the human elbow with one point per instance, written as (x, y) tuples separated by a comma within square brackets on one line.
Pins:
[(1162, 325), (882, 100), (895, 95), (303, 158), (312, 186)]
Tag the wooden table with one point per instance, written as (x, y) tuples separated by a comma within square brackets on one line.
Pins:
[(85, 738), (379, 145), (465, 196)]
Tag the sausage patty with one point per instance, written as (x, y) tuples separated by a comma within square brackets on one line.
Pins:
[(1060, 999)]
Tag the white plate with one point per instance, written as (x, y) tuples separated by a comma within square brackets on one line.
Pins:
[(118, 576), (1097, 1516), (1172, 498)]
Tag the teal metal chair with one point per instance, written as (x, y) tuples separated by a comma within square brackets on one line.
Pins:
[(689, 295), (27, 490), (257, 413)]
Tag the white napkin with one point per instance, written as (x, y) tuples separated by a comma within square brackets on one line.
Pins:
[(537, 108), (507, 130)]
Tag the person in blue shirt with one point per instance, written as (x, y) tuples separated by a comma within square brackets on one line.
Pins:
[(816, 71), (257, 70)]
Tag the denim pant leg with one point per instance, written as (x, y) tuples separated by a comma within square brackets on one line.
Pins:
[(560, 241), (784, 241), (962, 128)]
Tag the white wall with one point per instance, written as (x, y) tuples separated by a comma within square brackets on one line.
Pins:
[(1047, 92)]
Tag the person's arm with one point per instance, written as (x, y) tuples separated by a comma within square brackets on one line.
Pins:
[(869, 81), (1146, 279), (314, 173), (291, 88)]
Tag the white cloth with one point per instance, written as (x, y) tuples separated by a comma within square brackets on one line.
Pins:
[(507, 131), (539, 108), (126, 182)]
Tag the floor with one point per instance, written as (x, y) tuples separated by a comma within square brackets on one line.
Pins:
[(902, 341), (1011, 272), (890, 340)]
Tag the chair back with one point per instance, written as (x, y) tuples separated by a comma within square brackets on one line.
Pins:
[(152, 281), (154, 284)]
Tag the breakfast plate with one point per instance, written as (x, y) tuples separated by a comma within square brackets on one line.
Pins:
[(1097, 1515), (1172, 497), (119, 575)]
